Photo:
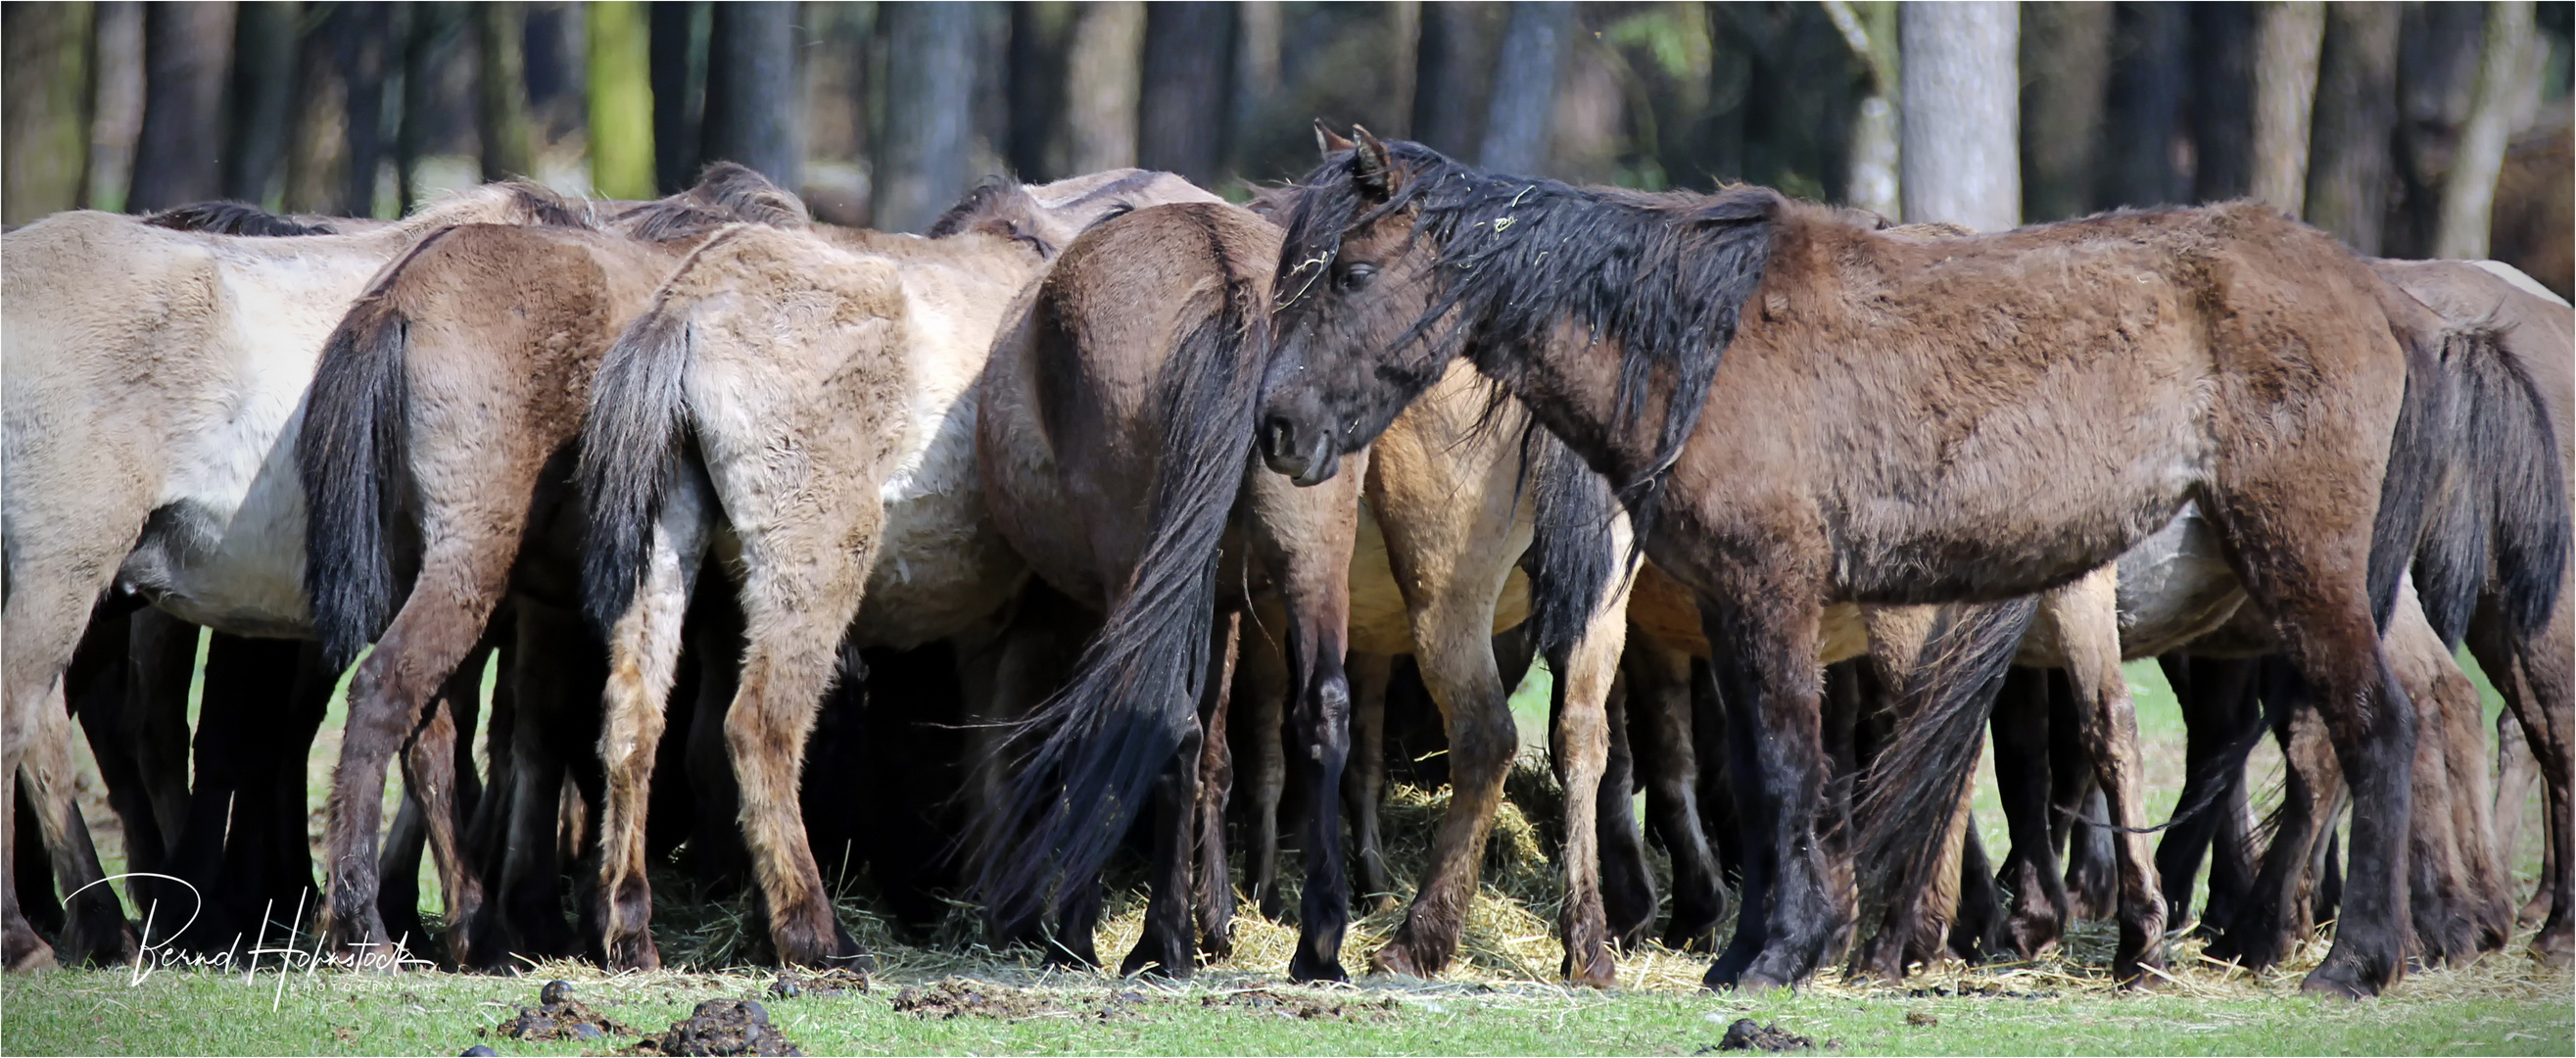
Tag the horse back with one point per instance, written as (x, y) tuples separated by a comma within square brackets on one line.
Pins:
[(1985, 416)]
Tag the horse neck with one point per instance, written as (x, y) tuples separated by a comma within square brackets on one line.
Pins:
[(1570, 385)]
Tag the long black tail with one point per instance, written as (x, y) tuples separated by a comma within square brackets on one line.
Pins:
[(632, 440), (1573, 554), (1090, 752), (2500, 530), (2416, 463), (1915, 784), (353, 461)]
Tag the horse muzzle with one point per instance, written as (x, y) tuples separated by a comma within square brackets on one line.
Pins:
[(1305, 456)]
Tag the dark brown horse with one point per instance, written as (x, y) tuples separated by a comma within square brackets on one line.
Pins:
[(1896, 422)]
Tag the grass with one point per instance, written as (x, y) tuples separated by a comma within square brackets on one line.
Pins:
[(1498, 999)]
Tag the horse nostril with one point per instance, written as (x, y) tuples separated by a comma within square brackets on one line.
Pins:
[(1276, 435)]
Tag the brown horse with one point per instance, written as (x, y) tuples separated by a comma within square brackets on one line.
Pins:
[(441, 402), (816, 389), (1108, 438), (1916, 405)]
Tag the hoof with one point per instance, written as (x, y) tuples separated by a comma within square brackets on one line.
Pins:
[(1601, 971), (2554, 949), (1304, 970), (1394, 959), (2337, 983)]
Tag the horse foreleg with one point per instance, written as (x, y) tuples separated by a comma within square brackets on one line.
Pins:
[(1658, 705), (2440, 896), (2088, 633), (1265, 770), (2218, 709), (1458, 667), (1364, 779), (2040, 907), (1212, 888), (1768, 620)]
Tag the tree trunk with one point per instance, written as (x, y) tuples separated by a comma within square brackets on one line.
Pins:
[(116, 104), (2356, 113), (45, 106), (431, 26), (2468, 193), (751, 89), (1103, 67), (1523, 104), (187, 53), (1259, 42), (317, 161), (1869, 30), (2222, 113), (929, 113), (679, 90), (621, 100), (2150, 71), (2288, 37), (1181, 113), (1453, 75), (2066, 65), (264, 56), (1962, 114), (509, 140), (363, 37), (1036, 72)]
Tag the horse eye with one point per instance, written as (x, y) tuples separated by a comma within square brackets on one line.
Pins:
[(1357, 275)]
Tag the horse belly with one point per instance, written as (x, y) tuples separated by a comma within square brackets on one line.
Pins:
[(2034, 495), (1381, 622), (238, 569), (941, 562)]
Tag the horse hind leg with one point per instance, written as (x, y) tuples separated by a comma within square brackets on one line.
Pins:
[(95, 931), (2538, 680), (1264, 688), (1627, 883), (644, 651), (1658, 706), (1588, 671)]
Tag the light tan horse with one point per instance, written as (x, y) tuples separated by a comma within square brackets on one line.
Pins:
[(153, 382), (824, 382)]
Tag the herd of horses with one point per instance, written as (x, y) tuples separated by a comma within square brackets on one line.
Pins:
[(1106, 508)]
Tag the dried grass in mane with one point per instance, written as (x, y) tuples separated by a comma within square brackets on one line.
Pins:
[(234, 218), (727, 193), (1665, 276)]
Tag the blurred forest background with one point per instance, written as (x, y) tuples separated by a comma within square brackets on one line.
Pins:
[(2414, 129)]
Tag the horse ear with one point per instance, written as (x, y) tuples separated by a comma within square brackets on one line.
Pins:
[(1329, 141), (1376, 170)]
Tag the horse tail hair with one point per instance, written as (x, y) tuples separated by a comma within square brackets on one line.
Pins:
[(1944, 704), (1573, 555), (353, 459), (2500, 530), (632, 442), (2413, 480), (1089, 753)]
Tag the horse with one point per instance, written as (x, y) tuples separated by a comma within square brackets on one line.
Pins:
[(816, 387), (1116, 458), (1918, 400), (441, 401), (169, 480)]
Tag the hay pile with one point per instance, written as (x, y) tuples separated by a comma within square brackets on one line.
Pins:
[(1510, 937)]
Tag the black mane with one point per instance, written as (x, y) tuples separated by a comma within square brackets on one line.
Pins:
[(1665, 275), (726, 193), (233, 218)]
